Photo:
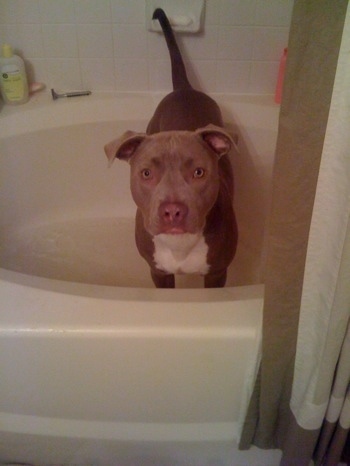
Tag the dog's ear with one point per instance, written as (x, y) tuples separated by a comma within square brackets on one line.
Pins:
[(218, 139), (124, 147)]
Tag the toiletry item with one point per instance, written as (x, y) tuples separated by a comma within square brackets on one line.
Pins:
[(13, 79), (280, 77), (56, 96)]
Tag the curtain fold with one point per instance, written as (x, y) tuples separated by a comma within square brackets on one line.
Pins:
[(336, 425), (307, 303)]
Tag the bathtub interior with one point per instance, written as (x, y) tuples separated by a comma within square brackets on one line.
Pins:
[(66, 215)]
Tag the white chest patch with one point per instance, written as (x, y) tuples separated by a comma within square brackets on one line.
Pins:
[(185, 253)]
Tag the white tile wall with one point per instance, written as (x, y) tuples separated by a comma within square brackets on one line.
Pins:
[(104, 45)]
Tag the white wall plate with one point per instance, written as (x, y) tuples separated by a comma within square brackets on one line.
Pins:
[(184, 15)]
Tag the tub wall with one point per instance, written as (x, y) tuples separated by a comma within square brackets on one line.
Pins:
[(71, 394), (104, 45)]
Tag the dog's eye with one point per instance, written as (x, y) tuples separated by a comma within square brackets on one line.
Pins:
[(146, 174), (199, 172)]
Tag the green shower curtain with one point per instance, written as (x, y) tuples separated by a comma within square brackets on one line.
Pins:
[(301, 399)]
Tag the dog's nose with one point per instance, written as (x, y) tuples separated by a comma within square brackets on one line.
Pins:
[(173, 213)]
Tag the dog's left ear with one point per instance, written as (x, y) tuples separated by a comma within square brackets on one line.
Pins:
[(124, 147), (217, 139)]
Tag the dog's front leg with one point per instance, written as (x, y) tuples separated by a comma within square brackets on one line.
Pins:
[(215, 280), (162, 280)]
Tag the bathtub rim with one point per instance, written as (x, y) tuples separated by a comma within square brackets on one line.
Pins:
[(41, 112), (136, 294), (36, 307)]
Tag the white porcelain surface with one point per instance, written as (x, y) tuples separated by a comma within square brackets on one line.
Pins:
[(96, 374)]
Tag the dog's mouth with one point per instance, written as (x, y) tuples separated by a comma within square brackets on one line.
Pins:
[(167, 230), (174, 231)]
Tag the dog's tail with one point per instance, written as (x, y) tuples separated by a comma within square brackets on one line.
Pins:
[(178, 70)]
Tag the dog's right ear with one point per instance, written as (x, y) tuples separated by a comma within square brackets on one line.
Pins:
[(124, 147)]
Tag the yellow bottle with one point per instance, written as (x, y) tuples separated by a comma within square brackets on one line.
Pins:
[(13, 79)]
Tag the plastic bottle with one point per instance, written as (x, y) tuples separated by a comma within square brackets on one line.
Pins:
[(13, 79), (280, 77)]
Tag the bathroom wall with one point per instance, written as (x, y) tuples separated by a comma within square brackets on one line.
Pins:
[(104, 45)]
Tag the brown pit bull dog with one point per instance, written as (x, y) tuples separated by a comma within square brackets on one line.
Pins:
[(181, 181)]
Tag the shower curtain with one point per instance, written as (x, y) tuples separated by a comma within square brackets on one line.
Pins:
[(301, 399)]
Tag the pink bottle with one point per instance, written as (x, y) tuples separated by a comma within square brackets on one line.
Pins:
[(280, 77)]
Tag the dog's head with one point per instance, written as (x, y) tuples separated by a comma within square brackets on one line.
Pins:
[(174, 175)]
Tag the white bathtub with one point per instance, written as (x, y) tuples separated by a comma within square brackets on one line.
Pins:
[(97, 366)]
